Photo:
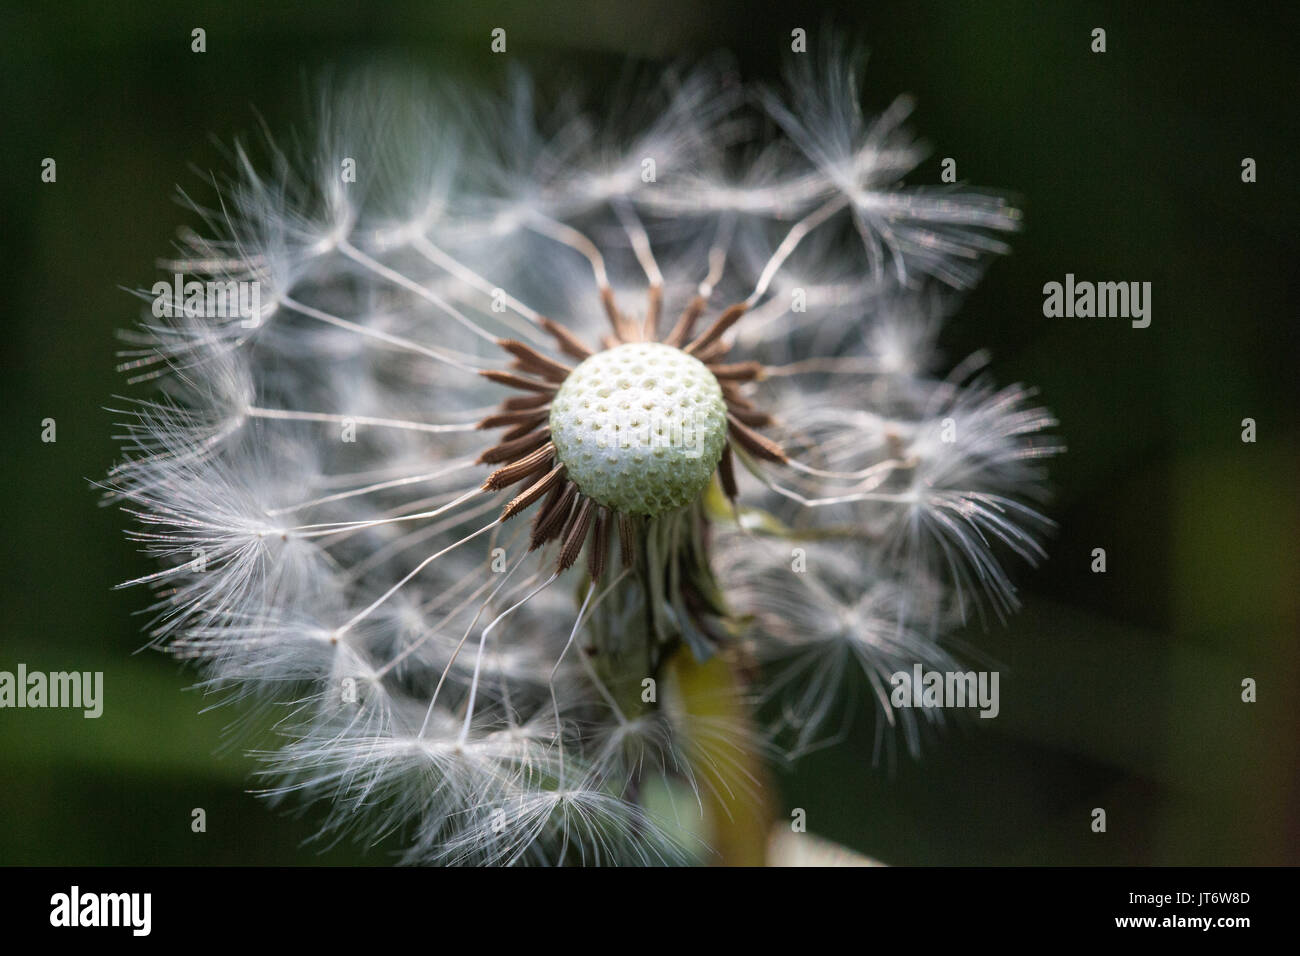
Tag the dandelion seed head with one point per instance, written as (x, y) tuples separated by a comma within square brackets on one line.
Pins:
[(640, 427), (523, 427)]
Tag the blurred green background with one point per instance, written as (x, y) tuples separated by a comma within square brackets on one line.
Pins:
[(1119, 690)]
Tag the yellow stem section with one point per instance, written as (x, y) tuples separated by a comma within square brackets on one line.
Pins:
[(730, 774)]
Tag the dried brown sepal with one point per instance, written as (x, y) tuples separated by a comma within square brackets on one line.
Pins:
[(653, 306), (516, 471), (529, 359), (626, 540), (566, 341), (751, 416), (552, 499), (576, 534), (729, 317), (616, 320), (533, 492), (598, 552), (511, 380), (550, 522), (519, 431), (754, 443), (532, 417), (712, 353), (737, 372), (510, 450), (686, 322), (731, 395), (727, 473), (519, 402)]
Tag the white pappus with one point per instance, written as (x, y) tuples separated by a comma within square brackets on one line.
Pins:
[(491, 647)]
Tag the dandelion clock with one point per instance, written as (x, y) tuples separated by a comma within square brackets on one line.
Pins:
[(542, 475)]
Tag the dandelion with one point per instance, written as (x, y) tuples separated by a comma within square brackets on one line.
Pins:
[(563, 462)]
